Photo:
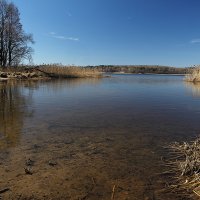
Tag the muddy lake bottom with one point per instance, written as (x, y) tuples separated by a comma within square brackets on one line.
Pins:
[(95, 139)]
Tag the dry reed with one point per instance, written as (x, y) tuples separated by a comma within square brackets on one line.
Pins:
[(70, 71), (53, 71), (194, 74), (184, 164)]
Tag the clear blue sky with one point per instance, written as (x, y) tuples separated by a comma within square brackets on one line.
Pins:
[(93, 32)]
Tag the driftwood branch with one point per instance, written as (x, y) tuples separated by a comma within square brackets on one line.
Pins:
[(4, 190)]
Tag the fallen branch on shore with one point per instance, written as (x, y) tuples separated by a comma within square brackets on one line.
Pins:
[(113, 192), (4, 190)]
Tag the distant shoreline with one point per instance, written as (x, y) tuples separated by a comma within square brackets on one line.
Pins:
[(59, 71), (121, 73), (140, 69)]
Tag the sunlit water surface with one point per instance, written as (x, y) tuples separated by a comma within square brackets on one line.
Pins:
[(100, 133)]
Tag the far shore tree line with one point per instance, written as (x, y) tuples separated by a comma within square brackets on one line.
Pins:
[(14, 42), (132, 69), (141, 69)]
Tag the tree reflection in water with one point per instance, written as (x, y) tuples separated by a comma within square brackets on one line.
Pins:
[(12, 110), (15, 100)]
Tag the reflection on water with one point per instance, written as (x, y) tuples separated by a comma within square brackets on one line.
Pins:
[(193, 88), (12, 111), (15, 104), (100, 132)]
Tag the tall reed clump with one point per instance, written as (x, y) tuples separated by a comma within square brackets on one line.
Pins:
[(194, 74), (185, 165), (69, 71)]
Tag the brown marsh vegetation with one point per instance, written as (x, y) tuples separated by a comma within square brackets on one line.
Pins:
[(194, 74), (69, 71), (48, 71), (185, 167)]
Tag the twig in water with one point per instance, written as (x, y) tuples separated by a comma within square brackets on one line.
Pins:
[(93, 181), (113, 193), (196, 192)]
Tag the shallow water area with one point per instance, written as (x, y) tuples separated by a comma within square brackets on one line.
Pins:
[(93, 138)]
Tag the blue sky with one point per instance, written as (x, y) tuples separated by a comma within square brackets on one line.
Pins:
[(93, 32)]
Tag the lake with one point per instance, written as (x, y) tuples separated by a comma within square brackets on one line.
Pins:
[(93, 138)]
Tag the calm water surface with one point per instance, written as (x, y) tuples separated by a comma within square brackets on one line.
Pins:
[(100, 133)]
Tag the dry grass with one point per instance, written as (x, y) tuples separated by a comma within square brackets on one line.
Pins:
[(70, 71), (194, 74), (52, 71), (185, 165)]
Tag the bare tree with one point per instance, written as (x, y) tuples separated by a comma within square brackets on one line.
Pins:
[(13, 40), (3, 14)]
